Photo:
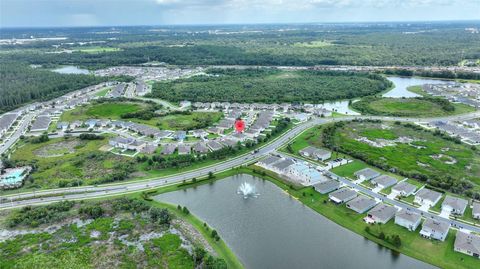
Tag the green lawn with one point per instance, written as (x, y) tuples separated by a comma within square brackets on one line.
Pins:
[(103, 92), (108, 110)]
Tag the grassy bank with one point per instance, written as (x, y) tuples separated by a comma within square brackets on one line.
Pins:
[(412, 244)]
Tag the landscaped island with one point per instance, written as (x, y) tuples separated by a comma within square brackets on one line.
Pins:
[(270, 86)]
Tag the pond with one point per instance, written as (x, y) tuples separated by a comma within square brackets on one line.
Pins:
[(402, 83), (71, 70), (274, 230)]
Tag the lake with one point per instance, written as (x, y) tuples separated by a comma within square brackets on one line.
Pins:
[(402, 83), (71, 70), (277, 231)]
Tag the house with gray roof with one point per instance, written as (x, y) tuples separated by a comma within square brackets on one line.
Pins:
[(214, 145), (342, 195), (467, 243), (41, 123), (200, 148), (327, 186), (408, 219), (184, 149), (427, 197), (404, 189), (382, 213), (384, 181), (361, 204), (435, 229), (454, 205), (266, 162), (476, 210), (366, 174), (6, 121), (168, 149), (281, 167), (315, 153)]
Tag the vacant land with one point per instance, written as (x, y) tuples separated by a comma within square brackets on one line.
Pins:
[(64, 162), (113, 110), (118, 111), (411, 151), (114, 233), (270, 86), (410, 107)]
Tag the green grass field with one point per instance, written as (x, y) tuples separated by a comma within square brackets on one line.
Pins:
[(108, 110), (114, 110), (422, 152), (103, 92), (408, 107)]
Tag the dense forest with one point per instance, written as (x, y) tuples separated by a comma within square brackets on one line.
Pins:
[(419, 44), (20, 84), (270, 86)]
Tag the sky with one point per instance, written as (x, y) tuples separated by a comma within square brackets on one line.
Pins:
[(60, 13)]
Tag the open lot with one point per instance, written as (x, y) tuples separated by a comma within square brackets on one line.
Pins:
[(64, 162), (115, 110), (409, 107), (412, 152)]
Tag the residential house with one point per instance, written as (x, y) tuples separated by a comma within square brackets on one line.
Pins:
[(384, 181), (315, 153), (381, 213), (366, 174), (435, 229), (214, 145), (326, 186), (467, 243), (342, 195), (200, 148), (427, 197), (408, 219), (168, 149), (476, 210), (454, 205), (361, 204), (184, 149), (404, 189)]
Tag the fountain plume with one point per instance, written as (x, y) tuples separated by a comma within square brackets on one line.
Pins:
[(247, 190)]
